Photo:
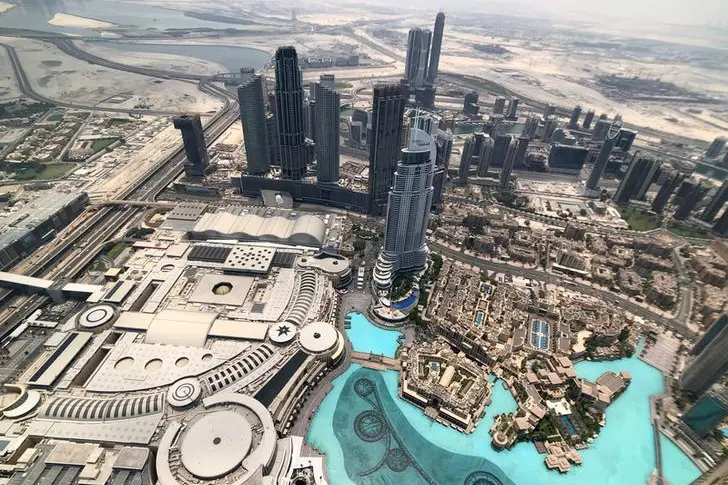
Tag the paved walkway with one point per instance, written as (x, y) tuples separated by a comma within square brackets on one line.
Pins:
[(374, 361)]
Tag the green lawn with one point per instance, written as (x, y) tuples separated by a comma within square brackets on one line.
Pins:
[(116, 250), (118, 121), (342, 85), (55, 170), (685, 229), (101, 143), (42, 171), (639, 219), (55, 117)]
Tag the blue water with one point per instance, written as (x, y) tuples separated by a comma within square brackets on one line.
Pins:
[(623, 453), (231, 57), (676, 465), (479, 316), (407, 302), (35, 15), (569, 425), (366, 337)]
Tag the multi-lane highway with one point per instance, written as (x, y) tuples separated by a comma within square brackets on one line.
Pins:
[(27, 89), (73, 253)]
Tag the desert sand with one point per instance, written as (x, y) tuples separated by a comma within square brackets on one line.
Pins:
[(59, 76), (68, 20)]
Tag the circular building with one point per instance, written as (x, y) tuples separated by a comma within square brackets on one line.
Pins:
[(95, 317), (184, 392), (231, 438), (322, 339)]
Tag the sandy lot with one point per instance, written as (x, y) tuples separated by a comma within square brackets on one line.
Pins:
[(121, 167), (5, 6), (8, 83), (60, 76), (167, 62), (67, 20), (567, 78)]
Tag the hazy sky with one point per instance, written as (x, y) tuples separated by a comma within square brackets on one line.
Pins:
[(677, 11)]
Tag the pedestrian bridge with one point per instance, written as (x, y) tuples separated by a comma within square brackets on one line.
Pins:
[(375, 361)]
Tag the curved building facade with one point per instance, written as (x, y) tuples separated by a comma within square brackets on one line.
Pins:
[(305, 230), (405, 248)]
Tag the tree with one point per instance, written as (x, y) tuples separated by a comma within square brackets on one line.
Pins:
[(582, 211), (359, 245), (469, 242)]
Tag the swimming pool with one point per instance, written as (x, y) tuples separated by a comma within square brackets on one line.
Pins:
[(408, 302), (540, 334), (622, 454), (568, 425), (479, 317), (367, 337)]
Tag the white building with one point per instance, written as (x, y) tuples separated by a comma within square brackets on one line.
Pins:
[(408, 208)]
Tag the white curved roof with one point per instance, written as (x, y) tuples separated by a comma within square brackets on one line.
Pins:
[(307, 230)]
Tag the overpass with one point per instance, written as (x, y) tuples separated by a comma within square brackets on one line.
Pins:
[(57, 290), (134, 203)]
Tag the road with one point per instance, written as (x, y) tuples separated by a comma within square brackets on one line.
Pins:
[(535, 274), (80, 247), (27, 89)]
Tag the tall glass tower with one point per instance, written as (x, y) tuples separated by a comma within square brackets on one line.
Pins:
[(289, 114), (408, 210)]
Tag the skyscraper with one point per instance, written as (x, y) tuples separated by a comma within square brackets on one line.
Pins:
[(649, 177), (486, 157), (418, 53), (625, 140), (688, 204), (549, 127), (721, 226), (470, 104), (193, 139), (327, 133), (521, 152), (328, 81), (384, 143), (716, 147), (588, 118), (666, 190), (637, 173), (498, 105), (603, 157), (709, 366), (436, 47), (716, 203), (465, 160), (718, 326), (500, 149), (530, 127), (708, 411), (513, 109), (309, 117), (404, 248), (549, 110), (505, 175), (601, 128), (444, 142), (575, 114), (255, 130), (274, 146), (289, 114)]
